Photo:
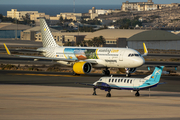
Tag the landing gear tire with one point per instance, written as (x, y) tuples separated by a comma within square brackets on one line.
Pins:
[(75, 74), (108, 94), (128, 75), (137, 94), (106, 72)]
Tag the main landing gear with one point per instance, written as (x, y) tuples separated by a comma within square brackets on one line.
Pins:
[(106, 72), (108, 94), (137, 94), (94, 93), (75, 74)]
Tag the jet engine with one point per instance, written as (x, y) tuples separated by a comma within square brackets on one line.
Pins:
[(130, 70), (82, 67)]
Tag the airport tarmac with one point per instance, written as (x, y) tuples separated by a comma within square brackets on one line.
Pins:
[(68, 80), (49, 95), (52, 95), (32, 102)]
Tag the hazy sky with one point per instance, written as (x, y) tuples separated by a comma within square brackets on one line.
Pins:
[(80, 2)]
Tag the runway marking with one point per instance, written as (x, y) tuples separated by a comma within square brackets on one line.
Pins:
[(42, 75)]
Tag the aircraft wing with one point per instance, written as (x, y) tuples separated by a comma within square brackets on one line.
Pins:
[(56, 59), (84, 84), (48, 58), (161, 83), (23, 50), (101, 86)]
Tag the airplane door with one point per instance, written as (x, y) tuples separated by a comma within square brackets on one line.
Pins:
[(121, 55)]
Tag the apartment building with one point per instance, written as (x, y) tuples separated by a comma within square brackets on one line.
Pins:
[(36, 17), (19, 14), (73, 16), (145, 6)]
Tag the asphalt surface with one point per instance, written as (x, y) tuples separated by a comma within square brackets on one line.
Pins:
[(32, 102), (54, 95), (68, 80)]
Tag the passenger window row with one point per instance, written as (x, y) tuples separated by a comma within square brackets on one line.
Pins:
[(120, 80), (108, 54)]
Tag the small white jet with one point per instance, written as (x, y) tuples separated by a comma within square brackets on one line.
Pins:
[(125, 83), (83, 59)]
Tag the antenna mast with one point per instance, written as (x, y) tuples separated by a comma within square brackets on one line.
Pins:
[(74, 6)]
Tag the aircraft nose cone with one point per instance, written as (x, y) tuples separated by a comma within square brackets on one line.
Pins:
[(141, 61)]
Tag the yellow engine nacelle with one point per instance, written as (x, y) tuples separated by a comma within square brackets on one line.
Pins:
[(82, 67)]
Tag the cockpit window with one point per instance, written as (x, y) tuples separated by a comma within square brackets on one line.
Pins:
[(134, 54)]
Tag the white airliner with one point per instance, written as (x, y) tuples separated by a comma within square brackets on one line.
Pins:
[(83, 59), (126, 83)]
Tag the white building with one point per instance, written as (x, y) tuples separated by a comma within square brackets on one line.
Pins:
[(19, 14), (145, 6), (73, 16), (36, 17), (139, 6), (100, 11)]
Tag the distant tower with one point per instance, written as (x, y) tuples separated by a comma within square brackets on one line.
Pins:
[(74, 6), (93, 10), (150, 1)]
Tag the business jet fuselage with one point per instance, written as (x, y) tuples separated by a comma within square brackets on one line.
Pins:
[(126, 83)]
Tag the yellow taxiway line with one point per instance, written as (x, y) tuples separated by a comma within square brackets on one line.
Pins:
[(42, 75)]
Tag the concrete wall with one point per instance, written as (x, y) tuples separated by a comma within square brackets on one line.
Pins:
[(121, 42), (28, 35)]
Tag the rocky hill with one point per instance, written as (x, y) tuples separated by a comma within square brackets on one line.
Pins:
[(167, 17)]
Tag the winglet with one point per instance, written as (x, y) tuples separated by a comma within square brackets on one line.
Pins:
[(7, 50), (145, 50)]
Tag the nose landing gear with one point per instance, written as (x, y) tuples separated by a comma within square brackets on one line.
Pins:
[(106, 72), (128, 74)]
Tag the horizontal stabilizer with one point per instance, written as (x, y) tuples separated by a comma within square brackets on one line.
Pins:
[(7, 50), (161, 83), (84, 84)]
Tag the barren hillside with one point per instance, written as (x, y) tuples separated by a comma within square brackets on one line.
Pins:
[(167, 17)]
